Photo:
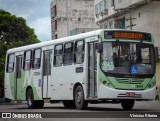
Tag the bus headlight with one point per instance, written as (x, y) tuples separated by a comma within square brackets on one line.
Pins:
[(107, 83), (104, 82)]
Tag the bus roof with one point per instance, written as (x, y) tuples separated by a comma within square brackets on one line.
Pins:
[(61, 40), (65, 39)]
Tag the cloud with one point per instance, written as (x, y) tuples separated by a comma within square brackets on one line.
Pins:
[(36, 13), (42, 28), (18, 7)]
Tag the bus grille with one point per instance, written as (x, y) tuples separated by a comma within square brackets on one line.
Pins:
[(130, 81)]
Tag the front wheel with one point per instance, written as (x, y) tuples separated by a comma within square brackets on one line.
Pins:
[(127, 104), (80, 103)]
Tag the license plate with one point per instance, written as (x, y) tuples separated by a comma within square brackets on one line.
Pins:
[(130, 94)]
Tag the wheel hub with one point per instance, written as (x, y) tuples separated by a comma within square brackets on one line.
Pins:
[(29, 101), (79, 97)]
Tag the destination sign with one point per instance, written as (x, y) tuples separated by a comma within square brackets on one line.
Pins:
[(127, 35)]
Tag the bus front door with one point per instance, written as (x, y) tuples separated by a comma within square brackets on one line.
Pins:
[(18, 82), (46, 89), (92, 70)]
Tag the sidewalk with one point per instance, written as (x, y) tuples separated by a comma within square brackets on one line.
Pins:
[(156, 101)]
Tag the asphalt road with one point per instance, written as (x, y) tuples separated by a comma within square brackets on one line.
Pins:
[(109, 112)]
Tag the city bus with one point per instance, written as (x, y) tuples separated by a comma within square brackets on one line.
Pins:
[(102, 66)]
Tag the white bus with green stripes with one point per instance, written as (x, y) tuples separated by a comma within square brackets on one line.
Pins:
[(102, 66)]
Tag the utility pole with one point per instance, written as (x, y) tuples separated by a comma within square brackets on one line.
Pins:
[(130, 19), (129, 9)]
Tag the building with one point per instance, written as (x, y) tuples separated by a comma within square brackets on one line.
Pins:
[(140, 15), (70, 17)]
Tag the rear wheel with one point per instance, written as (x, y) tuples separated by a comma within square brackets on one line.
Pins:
[(127, 104), (80, 103)]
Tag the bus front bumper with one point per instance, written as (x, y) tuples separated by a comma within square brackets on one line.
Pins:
[(109, 93)]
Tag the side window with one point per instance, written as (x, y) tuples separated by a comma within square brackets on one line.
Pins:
[(79, 51), (10, 63), (68, 54), (58, 50), (36, 59), (27, 60)]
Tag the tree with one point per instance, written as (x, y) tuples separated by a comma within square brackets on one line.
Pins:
[(13, 33)]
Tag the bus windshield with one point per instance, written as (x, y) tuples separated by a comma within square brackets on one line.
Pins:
[(127, 58)]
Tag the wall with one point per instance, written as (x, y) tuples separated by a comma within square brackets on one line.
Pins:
[(146, 17), (78, 14), (149, 21), (158, 74)]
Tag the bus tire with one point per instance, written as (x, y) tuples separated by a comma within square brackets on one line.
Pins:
[(30, 99), (68, 104), (80, 103), (127, 104)]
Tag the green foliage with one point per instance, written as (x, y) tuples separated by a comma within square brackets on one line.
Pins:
[(13, 33)]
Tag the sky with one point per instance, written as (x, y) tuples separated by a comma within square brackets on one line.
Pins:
[(35, 12)]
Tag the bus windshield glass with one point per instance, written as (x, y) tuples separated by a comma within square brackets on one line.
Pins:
[(127, 58)]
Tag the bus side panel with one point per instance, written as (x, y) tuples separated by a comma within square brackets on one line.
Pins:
[(10, 86), (23, 84), (31, 79), (26, 78), (65, 77), (63, 81), (62, 78), (36, 84)]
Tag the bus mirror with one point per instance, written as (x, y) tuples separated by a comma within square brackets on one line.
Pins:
[(99, 47)]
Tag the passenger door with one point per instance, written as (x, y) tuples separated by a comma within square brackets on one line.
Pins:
[(18, 73), (92, 70), (46, 88)]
